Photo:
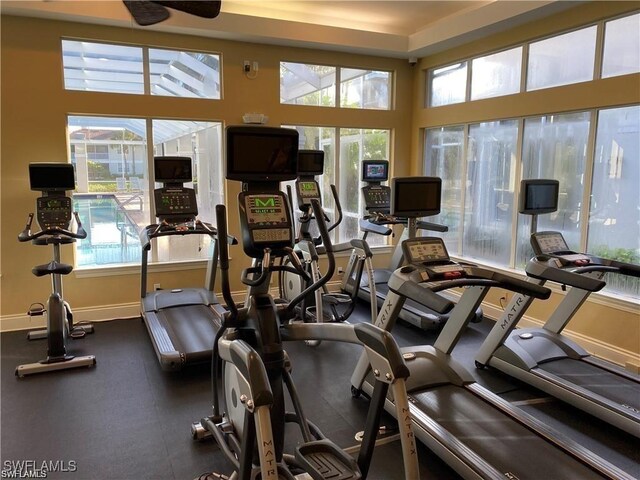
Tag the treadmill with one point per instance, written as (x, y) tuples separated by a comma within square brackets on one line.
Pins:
[(424, 193), (183, 322), (480, 435), (544, 357)]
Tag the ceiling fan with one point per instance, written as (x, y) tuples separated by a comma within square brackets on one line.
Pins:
[(150, 12)]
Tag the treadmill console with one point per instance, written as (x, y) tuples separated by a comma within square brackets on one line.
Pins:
[(430, 255), (552, 244), (306, 190), (265, 223), (53, 211), (377, 198), (176, 204)]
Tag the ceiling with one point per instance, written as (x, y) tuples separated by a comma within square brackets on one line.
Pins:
[(391, 28)]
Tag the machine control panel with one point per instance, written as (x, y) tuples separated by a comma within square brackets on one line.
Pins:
[(377, 198), (307, 190), (431, 256), (267, 222), (176, 203), (53, 211), (553, 244)]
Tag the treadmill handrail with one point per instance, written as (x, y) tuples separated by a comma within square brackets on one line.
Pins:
[(430, 226), (546, 269), (156, 230), (369, 227)]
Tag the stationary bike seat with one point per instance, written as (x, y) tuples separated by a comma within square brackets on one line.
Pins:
[(51, 268)]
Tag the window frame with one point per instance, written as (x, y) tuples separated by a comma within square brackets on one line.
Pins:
[(155, 265), (146, 76), (597, 64), (585, 208), (338, 85)]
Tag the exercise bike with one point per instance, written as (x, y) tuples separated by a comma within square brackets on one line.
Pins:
[(249, 427), (54, 214)]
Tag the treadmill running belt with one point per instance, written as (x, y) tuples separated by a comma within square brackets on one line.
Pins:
[(191, 329), (503, 442), (618, 389)]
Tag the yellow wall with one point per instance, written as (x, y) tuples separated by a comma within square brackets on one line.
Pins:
[(35, 105), (34, 109), (616, 326)]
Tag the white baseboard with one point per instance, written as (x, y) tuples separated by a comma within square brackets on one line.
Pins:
[(625, 358)]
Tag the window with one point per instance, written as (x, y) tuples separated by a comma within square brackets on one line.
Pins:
[(367, 89), (353, 145), (491, 162), (184, 74), (99, 67), (497, 74), (305, 84), (480, 211), (621, 46), (112, 195), (561, 60), (444, 158), (555, 146), (614, 215), (448, 85), (302, 84), (102, 67)]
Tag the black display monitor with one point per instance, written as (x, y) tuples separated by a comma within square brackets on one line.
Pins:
[(310, 163), (414, 197), (172, 169), (375, 171), (261, 154), (538, 196), (51, 177)]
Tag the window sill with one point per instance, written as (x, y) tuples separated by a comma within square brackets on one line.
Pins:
[(131, 269), (619, 302)]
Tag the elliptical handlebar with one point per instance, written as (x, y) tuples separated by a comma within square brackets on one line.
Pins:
[(326, 240), (26, 234), (336, 201), (223, 254)]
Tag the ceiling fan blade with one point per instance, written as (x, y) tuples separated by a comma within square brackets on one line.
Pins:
[(146, 12), (202, 8)]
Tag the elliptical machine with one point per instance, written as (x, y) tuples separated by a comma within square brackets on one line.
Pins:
[(249, 352), (54, 214), (322, 306)]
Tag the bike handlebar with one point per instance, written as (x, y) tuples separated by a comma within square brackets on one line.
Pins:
[(26, 234)]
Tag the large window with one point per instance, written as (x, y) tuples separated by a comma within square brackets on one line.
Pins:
[(621, 46), (112, 194), (102, 67), (491, 161), (614, 214), (481, 168), (344, 170), (555, 146), (448, 85), (563, 59), (497, 74), (307, 84), (444, 151)]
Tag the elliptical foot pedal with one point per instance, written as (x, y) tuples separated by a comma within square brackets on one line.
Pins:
[(324, 460)]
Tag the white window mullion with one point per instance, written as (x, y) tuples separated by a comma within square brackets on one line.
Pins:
[(146, 71), (516, 194), (463, 188), (587, 180)]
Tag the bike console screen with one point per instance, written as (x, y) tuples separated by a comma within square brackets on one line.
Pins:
[(53, 212)]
